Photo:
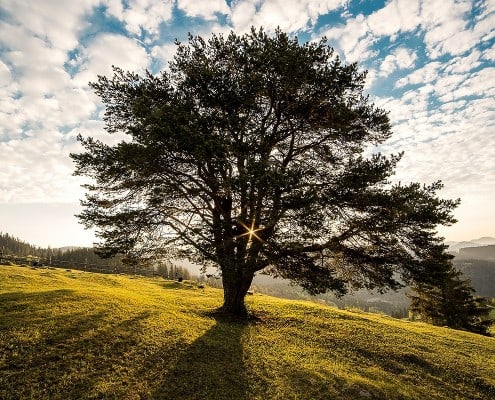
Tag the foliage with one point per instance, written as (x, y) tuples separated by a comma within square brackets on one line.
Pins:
[(445, 298), (84, 255), (169, 270), (75, 335), (249, 154), (12, 245)]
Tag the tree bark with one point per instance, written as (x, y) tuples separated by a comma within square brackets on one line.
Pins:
[(235, 289)]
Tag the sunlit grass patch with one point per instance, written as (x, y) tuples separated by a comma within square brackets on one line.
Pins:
[(75, 335)]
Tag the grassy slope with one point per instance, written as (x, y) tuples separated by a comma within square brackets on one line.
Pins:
[(76, 335)]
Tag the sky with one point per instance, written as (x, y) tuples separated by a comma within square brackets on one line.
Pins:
[(430, 63)]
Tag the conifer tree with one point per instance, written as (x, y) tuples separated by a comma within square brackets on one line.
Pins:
[(444, 298), (250, 153)]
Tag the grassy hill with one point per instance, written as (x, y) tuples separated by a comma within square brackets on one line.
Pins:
[(76, 335)]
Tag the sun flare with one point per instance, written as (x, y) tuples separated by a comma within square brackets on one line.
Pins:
[(251, 231)]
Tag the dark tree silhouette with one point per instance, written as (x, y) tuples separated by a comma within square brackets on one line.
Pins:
[(443, 297), (250, 153)]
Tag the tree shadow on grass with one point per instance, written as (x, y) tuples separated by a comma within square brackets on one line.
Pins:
[(64, 356), (16, 302), (211, 367)]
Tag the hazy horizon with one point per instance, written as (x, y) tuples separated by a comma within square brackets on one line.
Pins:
[(55, 225)]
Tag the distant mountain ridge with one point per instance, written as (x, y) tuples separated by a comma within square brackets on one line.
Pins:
[(454, 247), (476, 260), (478, 253)]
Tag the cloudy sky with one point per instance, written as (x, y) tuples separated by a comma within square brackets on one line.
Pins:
[(431, 63)]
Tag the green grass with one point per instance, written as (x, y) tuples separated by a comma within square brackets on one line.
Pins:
[(76, 335)]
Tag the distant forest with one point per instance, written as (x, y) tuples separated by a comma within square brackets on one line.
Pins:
[(76, 257), (10, 245)]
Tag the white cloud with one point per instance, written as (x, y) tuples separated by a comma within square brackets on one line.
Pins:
[(57, 22), (242, 14), (164, 53), (321, 7), (40, 92), (289, 15), (463, 162), (362, 50), (353, 39), (27, 52), (371, 78), (43, 93), (450, 88), (410, 113), (480, 83), (446, 23), (484, 29), (359, 33), (38, 169), (439, 12), (450, 38), (107, 50), (459, 65), (488, 7), (425, 74), (11, 119), (40, 99), (489, 54), (401, 58), (397, 16), (5, 75), (205, 9), (141, 15), (114, 8), (452, 106), (445, 84), (453, 142)]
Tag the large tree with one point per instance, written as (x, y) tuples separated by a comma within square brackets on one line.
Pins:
[(253, 153)]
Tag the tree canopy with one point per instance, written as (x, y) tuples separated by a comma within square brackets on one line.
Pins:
[(253, 152)]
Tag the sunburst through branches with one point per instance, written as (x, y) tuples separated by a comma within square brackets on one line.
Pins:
[(251, 231)]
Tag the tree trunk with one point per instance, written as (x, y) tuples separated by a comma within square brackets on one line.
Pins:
[(235, 289)]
